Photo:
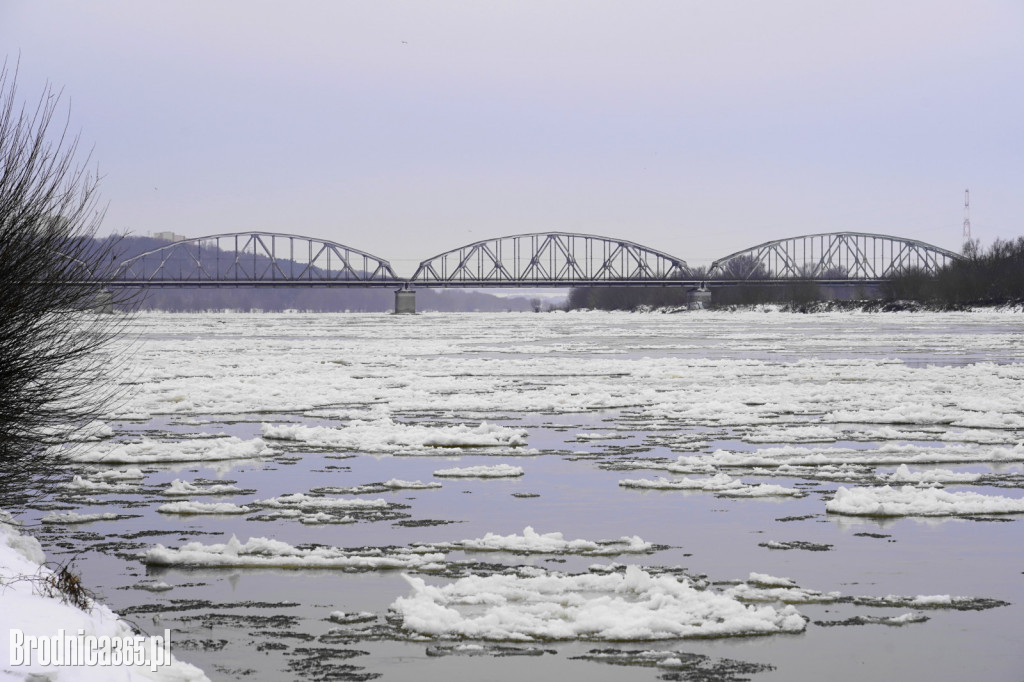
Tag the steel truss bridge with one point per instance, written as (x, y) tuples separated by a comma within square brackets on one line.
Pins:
[(546, 259)]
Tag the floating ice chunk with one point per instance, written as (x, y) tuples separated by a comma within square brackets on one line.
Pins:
[(794, 434), (386, 435), (766, 580), (716, 482), (265, 552), (351, 618), (188, 507), (74, 517), (397, 484), (154, 586), (762, 490), (130, 474), (310, 502), (890, 453), (180, 487), (721, 484), (748, 592), (495, 471), (618, 606), (93, 431), (320, 518), (532, 542), (911, 501), (85, 485), (195, 450), (903, 474)]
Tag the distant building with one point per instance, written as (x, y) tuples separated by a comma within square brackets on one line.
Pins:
[(169, 237)]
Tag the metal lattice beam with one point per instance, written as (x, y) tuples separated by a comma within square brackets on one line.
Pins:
[(833, 256), (256, 258), (549, 258)]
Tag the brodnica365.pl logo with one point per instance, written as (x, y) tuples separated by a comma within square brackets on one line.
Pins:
[(89, 650)]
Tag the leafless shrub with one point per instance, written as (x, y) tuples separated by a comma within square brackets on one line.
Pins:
[(55, 341)]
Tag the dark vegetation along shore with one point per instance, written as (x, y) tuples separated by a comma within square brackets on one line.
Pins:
[(55, 350), (992, 277)]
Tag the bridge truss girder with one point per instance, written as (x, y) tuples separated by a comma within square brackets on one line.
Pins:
[(255, 258), (549, 258), (833, 256)]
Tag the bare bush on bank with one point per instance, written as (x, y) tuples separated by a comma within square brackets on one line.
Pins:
[(55, 343)]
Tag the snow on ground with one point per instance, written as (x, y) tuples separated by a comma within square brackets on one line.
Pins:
[(386, 435), (532, 542), (495, 471), (634, 605), (910, 501), (28, 604), (194, 450), (266, 553)]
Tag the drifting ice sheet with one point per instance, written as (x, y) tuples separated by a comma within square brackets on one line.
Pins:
[(630, 606), (532, 542), (721, 484), (496, 471), (265, 552), (195, 450), (910, 501), (385, 435)]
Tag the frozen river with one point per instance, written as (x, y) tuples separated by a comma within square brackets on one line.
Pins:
[(591, 496)]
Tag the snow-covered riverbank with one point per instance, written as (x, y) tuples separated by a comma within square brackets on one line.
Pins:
[(31, 604)]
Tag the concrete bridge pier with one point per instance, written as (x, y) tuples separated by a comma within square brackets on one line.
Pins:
[(699, 298), (405, 301), (104, 302)]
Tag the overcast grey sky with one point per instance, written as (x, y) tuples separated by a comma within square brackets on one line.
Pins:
[(410, 128)]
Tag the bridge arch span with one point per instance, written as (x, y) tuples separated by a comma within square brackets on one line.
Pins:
[(255, 258), (833, 256), (550, 259)]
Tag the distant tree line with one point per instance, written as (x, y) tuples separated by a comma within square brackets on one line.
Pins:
[(994, 276), (989, 277)]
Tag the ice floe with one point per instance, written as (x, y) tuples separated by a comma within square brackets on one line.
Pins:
[(398, 484), (180, 487), (720, 484), (75, 517), (913, 501), (903, 474), (189, 507), (86, 485), (633, 605), (193, 450), (495, 471), (387, 436), (532, 542), (265, 552)]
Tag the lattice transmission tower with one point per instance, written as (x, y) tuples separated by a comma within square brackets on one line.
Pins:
[(967, 220)]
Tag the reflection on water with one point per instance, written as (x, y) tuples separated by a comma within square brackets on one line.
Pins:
[(603, 397)]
